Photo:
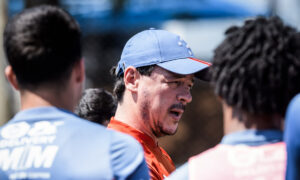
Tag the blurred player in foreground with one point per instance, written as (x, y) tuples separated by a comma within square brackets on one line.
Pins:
[(256, 72), (45, 140)]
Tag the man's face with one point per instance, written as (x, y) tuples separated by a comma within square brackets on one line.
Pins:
[(162, 99)]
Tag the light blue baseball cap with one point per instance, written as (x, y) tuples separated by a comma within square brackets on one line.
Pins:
[(165, 49)]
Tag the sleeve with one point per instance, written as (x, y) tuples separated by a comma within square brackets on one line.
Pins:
[(127, 158), (3, 176), (139, 173), (291, 137), (181, 173)]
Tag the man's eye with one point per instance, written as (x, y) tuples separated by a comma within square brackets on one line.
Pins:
[(174, 83), (177, 83)]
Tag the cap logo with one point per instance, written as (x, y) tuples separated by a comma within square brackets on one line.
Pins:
[(123, 66), (181, 42)]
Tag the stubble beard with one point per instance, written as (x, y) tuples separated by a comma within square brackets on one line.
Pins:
[(157, 129)]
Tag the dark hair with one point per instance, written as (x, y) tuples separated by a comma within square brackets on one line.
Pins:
[(42, 44), (257, 67), (119, 86), (96, 105)]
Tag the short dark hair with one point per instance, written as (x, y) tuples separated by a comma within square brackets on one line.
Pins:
[(96, 105), (257, 67), (119, 87), (42, 44)]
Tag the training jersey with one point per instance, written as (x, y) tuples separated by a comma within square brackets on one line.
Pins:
[(51, 143), (249, 154), (292, 139), (159, 162)]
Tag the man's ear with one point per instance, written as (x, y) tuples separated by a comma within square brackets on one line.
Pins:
[(11, 77), (131, 78), (79, 71)]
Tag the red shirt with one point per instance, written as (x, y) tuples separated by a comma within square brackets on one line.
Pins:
[(159, 162)]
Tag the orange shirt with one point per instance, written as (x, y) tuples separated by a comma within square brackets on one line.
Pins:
[(159, 162)]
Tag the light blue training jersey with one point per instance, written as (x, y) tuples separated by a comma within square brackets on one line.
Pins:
[(51, 143)]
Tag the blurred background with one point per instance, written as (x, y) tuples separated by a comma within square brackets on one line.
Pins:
[(108, 24)]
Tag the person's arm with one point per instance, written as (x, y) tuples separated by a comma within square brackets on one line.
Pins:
[(292, 139), (127, 157)]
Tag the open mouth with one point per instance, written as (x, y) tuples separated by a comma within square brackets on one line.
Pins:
[(176, 112)]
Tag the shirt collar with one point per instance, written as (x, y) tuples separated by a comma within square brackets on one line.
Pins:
[(125, 128), (253, 137), (47, 112)]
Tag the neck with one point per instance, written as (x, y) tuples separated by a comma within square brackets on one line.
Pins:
[(46, 97), (238, 120), (128, 113)]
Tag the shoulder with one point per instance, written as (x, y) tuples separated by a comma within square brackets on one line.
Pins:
[(210, 158), (181, 173), (76, 124), (121, 142), (292, 119), (126, 154), (210, 152), (294, 107)]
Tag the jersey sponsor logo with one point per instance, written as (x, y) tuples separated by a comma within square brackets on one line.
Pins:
[(21, 129), (243, 156), (30, 175), (266, 162), (25, 146), (27, 157)]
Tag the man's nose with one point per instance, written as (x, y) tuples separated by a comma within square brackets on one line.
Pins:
[(185, 96)]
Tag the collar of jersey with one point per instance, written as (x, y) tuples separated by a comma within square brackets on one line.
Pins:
[(46, 113), (253, 137), (143, 138)]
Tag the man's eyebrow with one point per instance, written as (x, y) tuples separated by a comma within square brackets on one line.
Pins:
[(174, 76), (180, 77)]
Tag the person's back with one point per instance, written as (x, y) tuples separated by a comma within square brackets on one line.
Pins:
[(45, 140), (240, 162), (51, 143), (255, 72)]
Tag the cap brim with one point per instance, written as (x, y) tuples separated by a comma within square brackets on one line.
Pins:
[(204, 74), (185, 66)]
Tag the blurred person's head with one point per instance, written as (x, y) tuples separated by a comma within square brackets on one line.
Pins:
[(256, 70), (43, 49), (153, 81), (96, 105)]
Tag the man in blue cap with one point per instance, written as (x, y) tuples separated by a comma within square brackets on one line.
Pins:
[(153, 82)]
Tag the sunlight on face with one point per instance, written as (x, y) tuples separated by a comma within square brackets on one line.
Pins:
[(163, 98)]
